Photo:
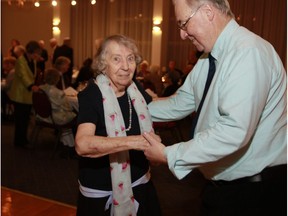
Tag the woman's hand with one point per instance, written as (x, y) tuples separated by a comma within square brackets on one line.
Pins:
[(137, 142)]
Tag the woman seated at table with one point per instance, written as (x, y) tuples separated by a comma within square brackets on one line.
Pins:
[(62, 111)]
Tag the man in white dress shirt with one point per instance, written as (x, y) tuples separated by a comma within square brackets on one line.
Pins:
[(239, 142)]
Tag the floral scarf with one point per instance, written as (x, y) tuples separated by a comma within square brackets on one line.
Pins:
[(123, 199)]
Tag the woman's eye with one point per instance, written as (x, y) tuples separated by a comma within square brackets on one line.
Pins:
[(131, 59), (116, 59)]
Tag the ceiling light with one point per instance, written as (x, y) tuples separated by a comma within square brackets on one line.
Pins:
[(73, 2), (37, 4), (54, 3)]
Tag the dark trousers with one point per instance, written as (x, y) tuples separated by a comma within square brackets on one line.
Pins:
[(267, 197), (22, 116)]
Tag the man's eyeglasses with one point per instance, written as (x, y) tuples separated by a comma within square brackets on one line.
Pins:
[(183, 25)]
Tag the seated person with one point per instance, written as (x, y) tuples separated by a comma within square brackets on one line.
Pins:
[(85, 73), (62, 65), (170, 87), (62, 111), (7, 77)]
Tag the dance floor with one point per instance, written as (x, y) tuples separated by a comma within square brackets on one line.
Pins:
[(15, 203)]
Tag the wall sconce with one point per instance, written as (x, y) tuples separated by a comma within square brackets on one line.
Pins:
[(56, 21), (156, 30), (157, 20), (56, 30), (157, 25), (73, 2)]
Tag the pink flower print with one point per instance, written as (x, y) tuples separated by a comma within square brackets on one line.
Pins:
[(122, 128), (132, 199), (142, 116), (103, 99), (133, 101), (112, 117), (111, 168), (115, 202), (121, 186), (125, 165), (116, 133)]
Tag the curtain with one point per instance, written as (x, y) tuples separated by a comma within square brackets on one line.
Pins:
[(91, 23), (267, 18)]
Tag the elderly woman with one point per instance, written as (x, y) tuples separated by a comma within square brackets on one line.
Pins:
[(114, 174), (61, 109)]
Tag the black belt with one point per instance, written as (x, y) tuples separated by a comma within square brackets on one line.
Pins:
[(267, 174)]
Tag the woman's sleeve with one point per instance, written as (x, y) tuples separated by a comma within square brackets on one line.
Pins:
[(89, 102)]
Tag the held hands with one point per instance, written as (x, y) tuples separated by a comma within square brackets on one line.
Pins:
[(154, 153), (137, 142)]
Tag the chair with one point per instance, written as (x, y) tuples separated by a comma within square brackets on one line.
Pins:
[(43, 108)]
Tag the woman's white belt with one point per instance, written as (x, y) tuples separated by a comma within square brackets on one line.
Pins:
[(94, 193)]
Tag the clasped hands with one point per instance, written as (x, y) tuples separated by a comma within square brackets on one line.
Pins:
[(155, 150)]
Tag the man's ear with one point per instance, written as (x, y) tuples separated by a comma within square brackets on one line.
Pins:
[(209, 11)]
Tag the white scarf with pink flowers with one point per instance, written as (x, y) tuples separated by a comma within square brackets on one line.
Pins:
[(123, 199)]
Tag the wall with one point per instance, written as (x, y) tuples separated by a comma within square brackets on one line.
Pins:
[(25, 24)]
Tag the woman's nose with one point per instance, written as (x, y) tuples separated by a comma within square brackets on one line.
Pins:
[(125, 64)]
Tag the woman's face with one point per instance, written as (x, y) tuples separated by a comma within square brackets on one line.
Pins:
[(121, 66)]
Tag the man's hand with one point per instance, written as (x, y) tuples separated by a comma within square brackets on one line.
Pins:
[(154, 153)]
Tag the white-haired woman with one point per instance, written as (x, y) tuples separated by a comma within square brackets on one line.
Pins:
[(114, 174)]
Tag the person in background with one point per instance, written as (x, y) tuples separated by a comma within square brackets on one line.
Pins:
[(19, 50), (7, 77), (144, 77), (156, 79), (67, 51), (170, 87), (239, 142), (62, 64), (14, 43), (53, 45), (62, 111), (114, 175), (174, 73), (188, 68), (85, 73), (21, 91), (43, 57), (143, 69)]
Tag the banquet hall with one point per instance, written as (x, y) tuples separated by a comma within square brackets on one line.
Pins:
[(39, 181)]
